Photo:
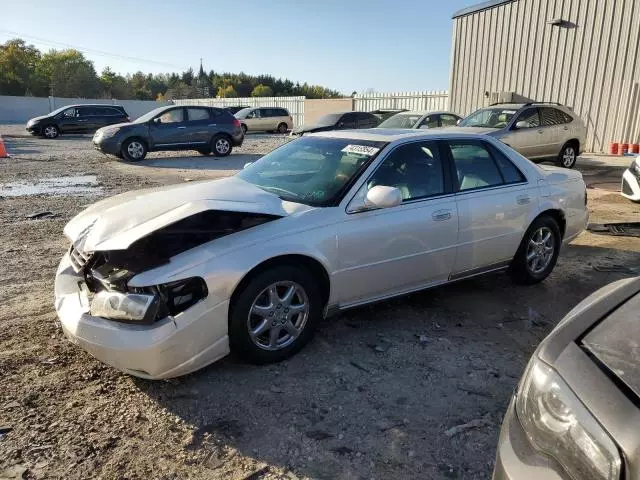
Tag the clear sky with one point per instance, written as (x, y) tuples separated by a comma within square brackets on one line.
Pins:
[(347, 45)]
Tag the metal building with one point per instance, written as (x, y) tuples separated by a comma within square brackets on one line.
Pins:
[(582, 53)]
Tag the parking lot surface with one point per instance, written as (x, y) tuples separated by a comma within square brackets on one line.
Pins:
[(370, 397)]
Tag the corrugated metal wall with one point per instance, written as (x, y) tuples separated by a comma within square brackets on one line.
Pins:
[(295, 105), (591, 63), (427, 100)]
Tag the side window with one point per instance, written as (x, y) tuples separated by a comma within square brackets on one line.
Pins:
[(509, 171), (69, 112), (111, 112), (216, 112), (197, 114), (447, 120), (282, 112), (349, 120), (84, 111), (474, 165), (531, 117), (172, 116), (563, 117), (549, 117), (266, 112), (430, 121), (364, 120), (415, 169), (254, 113)]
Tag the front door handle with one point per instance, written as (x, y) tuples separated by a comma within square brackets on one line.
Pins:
[(540, 131), (523, 199), (212, 124), (180, 128), (441, 215)]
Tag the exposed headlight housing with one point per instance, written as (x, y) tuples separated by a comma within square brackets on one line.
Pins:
[(130, 307), (559, 425)]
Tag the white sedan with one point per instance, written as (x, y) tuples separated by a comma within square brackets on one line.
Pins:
[(159, 283)]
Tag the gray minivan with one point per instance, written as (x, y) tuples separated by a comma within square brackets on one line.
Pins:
[(539, 131), (265, 119)]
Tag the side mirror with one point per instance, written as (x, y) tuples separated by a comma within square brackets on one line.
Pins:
[(156, 120), (458, 122), (247, 164), (382, 196), (522, 124), (341, 124)]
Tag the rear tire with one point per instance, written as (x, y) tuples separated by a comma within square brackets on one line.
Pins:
[(568, 155), (133, 150), (282, 128), (538, 252), (250, 333), (244, 128), (221, 146), (50, 131)]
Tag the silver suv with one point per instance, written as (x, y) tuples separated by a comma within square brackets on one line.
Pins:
[(539, 131)]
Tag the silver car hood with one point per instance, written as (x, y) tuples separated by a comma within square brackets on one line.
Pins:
[(117, 222)]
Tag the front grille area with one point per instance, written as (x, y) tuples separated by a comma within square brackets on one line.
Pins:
[(79, 259)]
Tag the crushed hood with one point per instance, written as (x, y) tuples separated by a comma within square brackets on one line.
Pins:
[(616, 343), (117, 222)]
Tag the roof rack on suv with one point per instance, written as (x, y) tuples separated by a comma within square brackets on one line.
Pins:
[(527, 104)]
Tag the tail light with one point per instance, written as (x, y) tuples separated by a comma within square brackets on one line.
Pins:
[(236, 122)]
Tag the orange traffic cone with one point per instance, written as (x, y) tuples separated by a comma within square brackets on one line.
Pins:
[(3, 150)]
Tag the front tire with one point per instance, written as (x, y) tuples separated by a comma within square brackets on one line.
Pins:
[(50, 131), (275, 314), (221, 146), (568, 155), (134, 150), (538, 251)]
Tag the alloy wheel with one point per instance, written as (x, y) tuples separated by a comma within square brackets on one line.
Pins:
[(50, 131), (540, 250), (222, 146), (568, 157), (278, 315), (135, 150)]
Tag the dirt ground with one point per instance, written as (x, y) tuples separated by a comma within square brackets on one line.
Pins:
[(369, 398)]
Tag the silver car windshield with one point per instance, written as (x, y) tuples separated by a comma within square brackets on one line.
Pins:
[(489, 118), (312, 170), (401, 120)]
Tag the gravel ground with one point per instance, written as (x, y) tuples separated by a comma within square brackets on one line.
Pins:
[(370, 397)]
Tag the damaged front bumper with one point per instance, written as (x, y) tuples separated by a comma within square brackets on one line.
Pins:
[(166, 348)]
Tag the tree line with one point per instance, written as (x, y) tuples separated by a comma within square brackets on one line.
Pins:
[(26, 71)]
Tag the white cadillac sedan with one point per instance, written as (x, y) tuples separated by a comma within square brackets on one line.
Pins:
[(159, 283)]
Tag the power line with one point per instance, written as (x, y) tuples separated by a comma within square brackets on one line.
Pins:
[(53, 43)]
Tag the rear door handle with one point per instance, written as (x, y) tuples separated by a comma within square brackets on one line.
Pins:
[(441, 215), (523, 199), (213, 125), (181, 127), (540, 131)]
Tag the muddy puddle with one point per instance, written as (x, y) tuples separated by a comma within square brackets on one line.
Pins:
[(80, 185)]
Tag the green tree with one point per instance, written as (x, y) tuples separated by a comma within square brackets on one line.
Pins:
[(114, 85), (262, 91), (227, 92), (69, 74), (18, 63)]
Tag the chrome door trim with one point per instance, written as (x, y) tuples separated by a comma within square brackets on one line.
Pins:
[(501, 265)]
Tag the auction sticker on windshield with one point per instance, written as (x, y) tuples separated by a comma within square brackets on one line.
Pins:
[(361, 150), (511, 112)]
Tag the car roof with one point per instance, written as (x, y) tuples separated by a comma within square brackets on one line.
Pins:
[(426, 112), (393, 134), (93, 105)]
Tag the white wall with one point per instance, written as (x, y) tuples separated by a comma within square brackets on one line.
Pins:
[(21, 109)]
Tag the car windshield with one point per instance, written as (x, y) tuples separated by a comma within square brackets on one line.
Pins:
[(243, 113), (401, 120), (312, 170), (489, 118), (327, 120), (148, 116)]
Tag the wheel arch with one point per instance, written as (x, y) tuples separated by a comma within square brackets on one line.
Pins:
[(313, 265), (574, 141), (558, 215), (137, 137)]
